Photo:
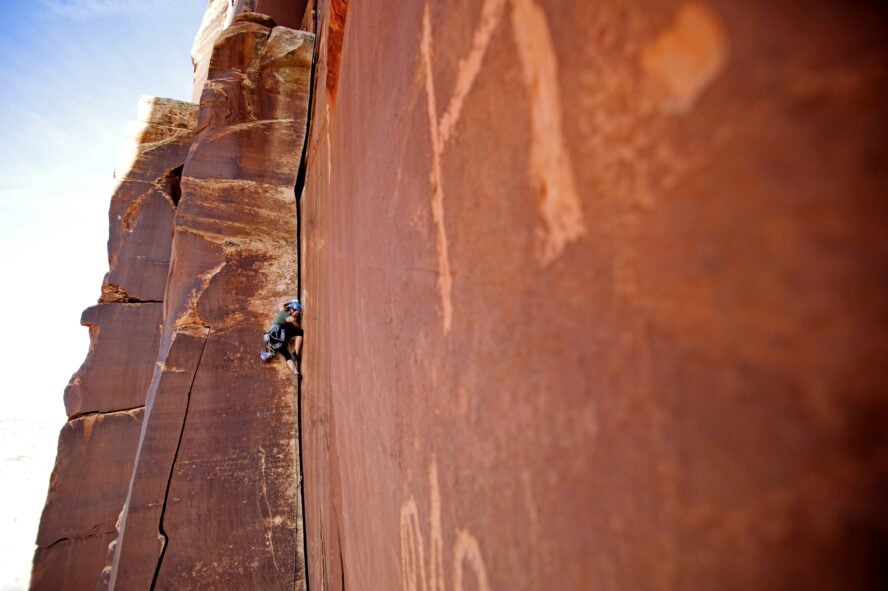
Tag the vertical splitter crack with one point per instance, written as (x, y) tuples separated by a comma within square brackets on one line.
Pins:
[(298, 190), (166, 493)]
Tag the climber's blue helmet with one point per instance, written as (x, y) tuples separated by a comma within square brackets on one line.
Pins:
[(294, 306)]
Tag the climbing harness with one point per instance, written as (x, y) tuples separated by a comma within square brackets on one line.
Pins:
[(275, 339)]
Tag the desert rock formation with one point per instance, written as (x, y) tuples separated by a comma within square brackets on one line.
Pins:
[(220, 15), (594, 299), (183, 436), (218, 455)]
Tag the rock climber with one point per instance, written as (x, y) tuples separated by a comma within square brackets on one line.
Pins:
[(285, 330)]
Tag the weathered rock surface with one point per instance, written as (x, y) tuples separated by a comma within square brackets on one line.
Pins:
[(218, 455), (220, 15), (95, 451), (123, 347), (105, 397), (70, 563), (216, 18), (595, 297), (86, 493), (143, 205)]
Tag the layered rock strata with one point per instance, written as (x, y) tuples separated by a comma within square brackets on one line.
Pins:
[(595, 296), (213, 500), (105, 398)]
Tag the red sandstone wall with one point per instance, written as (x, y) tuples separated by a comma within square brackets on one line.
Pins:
[(213, 501), (179, 467), (595, 296)]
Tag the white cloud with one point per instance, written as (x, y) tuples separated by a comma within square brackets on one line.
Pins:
[(85, 9)]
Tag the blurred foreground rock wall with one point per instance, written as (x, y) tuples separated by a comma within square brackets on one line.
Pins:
[(595, 296)]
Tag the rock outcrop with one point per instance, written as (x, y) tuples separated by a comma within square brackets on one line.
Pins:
[(87, 491), (184, 437), (218, 456), (220, 14), (106, 397), (143, 206)]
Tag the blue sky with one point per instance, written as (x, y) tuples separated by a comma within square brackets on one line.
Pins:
[(71, 73)]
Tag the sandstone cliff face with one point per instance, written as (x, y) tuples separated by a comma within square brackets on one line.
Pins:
[(594, 300), (595, 296), (89, 484), (216, 473), (185, 440), (105, 399), (220, 14)]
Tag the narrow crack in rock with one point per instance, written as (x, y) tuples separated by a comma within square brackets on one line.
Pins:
[(161, 531), (77, 538), (86, 415)]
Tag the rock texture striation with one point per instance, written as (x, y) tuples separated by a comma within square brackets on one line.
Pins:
[(595, 296), (105, 398), (220, 14)]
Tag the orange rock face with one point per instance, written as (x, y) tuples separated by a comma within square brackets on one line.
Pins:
[(595, 296), (176, 337), (117, 371), (594, 299), (86, 494), (143, 205), (217, 468)]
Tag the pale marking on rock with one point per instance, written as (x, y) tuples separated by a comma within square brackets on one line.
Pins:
[(145, 147), (470, 66), (269, 519), (683, 61), (551, 171), (436, 541), (262, 188), (235, 127), (468, 549), (550, 168), (445, 280), (229, 14), (413, 564), (412, 556)]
